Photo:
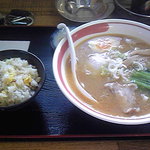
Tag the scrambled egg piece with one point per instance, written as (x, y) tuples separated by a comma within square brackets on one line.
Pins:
[(27, 80), (10, 77)]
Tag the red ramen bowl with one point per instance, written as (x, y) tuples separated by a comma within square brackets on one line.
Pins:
[(86, 31)]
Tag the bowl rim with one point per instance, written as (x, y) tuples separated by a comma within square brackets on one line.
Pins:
[(101, 116), (11, 107)]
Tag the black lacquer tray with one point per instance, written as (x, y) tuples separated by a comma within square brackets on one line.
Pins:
[(50, 114)]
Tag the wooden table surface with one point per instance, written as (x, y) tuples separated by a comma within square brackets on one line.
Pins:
[(46, 14)]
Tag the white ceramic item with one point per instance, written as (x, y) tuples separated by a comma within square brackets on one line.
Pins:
[(99, 27)]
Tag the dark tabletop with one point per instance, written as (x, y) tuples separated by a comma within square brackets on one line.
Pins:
[(50, 113)]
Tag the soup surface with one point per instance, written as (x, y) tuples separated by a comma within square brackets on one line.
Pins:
[(114, 69)]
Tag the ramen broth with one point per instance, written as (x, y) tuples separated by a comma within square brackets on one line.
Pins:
[(104, 68)]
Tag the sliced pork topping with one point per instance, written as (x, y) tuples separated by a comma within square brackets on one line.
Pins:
[(143, 52), (125, 95)]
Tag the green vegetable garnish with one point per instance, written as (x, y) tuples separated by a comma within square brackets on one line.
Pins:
[(103, 71), (142, 79)]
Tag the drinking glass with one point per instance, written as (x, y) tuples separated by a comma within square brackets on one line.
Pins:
[(85, 10)]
